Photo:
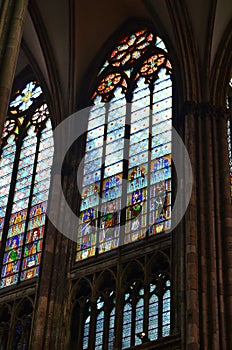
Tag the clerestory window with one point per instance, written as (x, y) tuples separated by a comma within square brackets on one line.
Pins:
[(25, 161), (126, 188)]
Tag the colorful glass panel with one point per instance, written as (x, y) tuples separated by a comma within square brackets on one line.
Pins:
[(153, 315), (111, 329), (166, 314), (6, 168), (139, 319), (25, 98), (126, 327), (129, 141), (25, 221), (86, 333), (99, 325)]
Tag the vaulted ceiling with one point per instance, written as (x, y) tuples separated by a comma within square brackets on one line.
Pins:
[(62, 38)]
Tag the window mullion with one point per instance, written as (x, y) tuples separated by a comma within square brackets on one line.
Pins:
[(106, 309), (133, 318), (10, 199), (125, 172), (30, 199), (160, 311), (102, 176), (151, 88)]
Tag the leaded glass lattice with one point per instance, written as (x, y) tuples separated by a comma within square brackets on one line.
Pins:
[(129, 137), (25, 162)]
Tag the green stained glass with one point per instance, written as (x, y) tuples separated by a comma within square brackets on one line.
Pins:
[(138, 145), (25, 224)]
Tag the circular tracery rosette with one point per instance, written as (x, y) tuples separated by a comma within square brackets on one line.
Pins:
[(150, 68), (40, 115), (24, 98), (131, 48), (10, 128), (109, 84)]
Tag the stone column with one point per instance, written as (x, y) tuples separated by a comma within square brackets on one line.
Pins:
[(208, 239), (12, 16), (225, 209), (190, 301), (54, 285)]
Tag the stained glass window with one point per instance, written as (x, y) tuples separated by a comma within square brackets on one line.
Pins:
[(86, 329), (160, 299), (122, 310), (133, 315), (25, 162), (128, 137), (15, 324), (134, 328)]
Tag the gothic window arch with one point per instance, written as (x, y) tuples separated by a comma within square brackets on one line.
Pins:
[(15, 324), (123, 309), (80, 324), (128, 137), (133, 315), (25, 162), (94, 306)]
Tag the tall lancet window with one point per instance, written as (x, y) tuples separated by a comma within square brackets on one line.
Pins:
[(128, 138), (25, 163)]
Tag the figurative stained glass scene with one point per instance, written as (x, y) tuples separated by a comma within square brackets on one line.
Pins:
[(128, 137), (25, 162)]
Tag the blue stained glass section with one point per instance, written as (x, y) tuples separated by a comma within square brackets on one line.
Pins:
[(161, 122), (161, 150), (16, 232), (92, 178), (93, 123), (93, 144), (163, 104), (139, 125), (126, 328), (161, 139), (115, 135), (99, 330), (113, 169), (92, 165), (138, 147), (95, 133), (139, 136), (86, 333), (97, 110), (111, 330), (139, 320), (96, 153), (114, 157), (111, 147), (6, 168), (116, 124), (143, 121), (153, 315), (138, 159)]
